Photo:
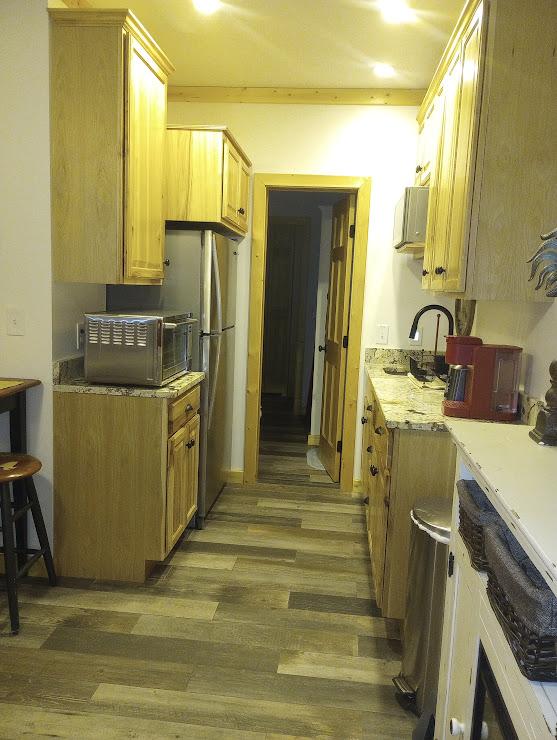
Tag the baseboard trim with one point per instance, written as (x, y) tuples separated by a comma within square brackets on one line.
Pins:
[(313, 440), (234, 476)]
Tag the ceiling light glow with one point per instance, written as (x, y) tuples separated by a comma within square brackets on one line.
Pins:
[(396, 11), (384, 70), (206, 6)]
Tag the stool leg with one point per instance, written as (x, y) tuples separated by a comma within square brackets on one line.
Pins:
[(10, 562), (41, 529)]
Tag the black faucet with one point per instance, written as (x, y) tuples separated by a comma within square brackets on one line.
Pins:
[(431, 307)]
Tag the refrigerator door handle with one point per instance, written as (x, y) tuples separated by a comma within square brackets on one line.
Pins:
[(216, 277), (213, 389)]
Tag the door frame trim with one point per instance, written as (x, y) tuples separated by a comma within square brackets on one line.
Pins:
[(262, 185)]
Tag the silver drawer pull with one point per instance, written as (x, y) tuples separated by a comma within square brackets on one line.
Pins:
[(167, 325)]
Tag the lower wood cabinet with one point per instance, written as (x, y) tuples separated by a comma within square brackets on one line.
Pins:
[(399, 466), (125, 481), (181, 482)]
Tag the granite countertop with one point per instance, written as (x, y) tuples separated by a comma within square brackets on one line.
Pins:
[(172, 390), (405, 406)]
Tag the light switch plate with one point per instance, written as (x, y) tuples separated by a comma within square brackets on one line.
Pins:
[(382, 333), (15, 321)]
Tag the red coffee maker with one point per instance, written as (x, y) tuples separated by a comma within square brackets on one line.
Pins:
[(483, 379)]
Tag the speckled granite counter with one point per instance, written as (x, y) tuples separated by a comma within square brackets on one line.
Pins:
[(403, 405), (172, 390)]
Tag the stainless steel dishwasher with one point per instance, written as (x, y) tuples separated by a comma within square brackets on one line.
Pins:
[(423, 621)]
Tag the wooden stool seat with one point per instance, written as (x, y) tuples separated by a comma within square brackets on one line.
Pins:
[(16, 467), (16, 471)]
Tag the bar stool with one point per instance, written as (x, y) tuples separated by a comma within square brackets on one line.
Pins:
[(15, 468)]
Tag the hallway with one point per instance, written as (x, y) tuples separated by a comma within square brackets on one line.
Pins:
[(283, 446), (261, 626)]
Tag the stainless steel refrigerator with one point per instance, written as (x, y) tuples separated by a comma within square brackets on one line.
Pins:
[(200, 277)]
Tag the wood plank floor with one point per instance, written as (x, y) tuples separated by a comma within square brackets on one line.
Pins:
[(263, 625), (283, 445)]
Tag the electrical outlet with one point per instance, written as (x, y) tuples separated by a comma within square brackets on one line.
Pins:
[(382, 333), (79, 335), (417, 342), (15, 321)]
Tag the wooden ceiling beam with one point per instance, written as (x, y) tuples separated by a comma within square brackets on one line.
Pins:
[(296, 95)]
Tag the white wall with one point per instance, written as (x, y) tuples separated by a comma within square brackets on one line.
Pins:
[(69, 302), (25, 263), (331, 140), (532, 326)]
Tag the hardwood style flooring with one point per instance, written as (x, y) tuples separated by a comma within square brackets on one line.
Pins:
[(283, 445), (261, 626)]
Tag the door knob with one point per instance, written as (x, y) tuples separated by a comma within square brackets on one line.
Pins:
[(190, 444), (373, 470), (323, 347), (241, 211), (425, 272), (419, 168), (167, 262), (363, 420), (439, 270), (369, 449)]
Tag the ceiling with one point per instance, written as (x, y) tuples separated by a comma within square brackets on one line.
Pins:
[(295, 43)]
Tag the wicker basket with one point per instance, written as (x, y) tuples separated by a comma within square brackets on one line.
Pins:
[(475, 513), (524, 605)]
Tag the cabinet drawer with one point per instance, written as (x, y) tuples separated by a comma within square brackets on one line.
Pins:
[(183, 409)]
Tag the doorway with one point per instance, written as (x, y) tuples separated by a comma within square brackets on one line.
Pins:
[(282, 330)]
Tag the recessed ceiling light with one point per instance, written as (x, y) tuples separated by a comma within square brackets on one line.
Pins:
[(206, 6), (384, 70), (396, 11)]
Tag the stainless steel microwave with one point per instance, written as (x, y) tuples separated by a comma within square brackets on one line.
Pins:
[(137, 348), (411, 220)]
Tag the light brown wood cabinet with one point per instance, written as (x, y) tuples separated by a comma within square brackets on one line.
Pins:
[(399, 466), (493, 179), (108, 123), (181, 485), (125, 481), (207, 179)]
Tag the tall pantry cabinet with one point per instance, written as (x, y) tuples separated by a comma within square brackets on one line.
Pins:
[(108, 127)]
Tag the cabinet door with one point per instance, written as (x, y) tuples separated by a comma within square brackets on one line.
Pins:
[(464, 654), (232, 166), (427, 144), (378, 517), (466, 128), (243, 196), (177, 484), (192, 446), (439, 212), (145, 137)]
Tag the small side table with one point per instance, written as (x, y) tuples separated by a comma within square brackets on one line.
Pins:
[(13, 400)]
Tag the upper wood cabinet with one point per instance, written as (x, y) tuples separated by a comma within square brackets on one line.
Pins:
[(494, 174), (108, 122), (207, 179), (428, 142)]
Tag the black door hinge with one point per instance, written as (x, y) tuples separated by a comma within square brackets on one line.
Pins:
[(450, 569), (339, 446), (352, 231), (345, 341)]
